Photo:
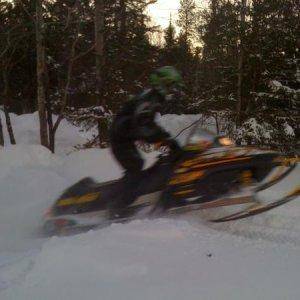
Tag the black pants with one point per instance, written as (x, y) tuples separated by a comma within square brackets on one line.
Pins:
[(129, 158), (126, 193)]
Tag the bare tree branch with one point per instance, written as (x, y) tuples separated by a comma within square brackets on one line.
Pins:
[(84, 53), (67, 86)]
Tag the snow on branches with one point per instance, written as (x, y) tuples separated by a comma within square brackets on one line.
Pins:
[(88, 118)]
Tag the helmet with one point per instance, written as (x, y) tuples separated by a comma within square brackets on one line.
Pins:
[(165, 79)]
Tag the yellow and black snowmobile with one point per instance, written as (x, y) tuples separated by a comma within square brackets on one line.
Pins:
[(211, 173)]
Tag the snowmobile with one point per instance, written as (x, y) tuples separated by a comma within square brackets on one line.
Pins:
[(211, 172)]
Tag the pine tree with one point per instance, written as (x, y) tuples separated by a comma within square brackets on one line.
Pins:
[(219, 33), (187, 17), (168, 54), (273, 61), (17, 55)]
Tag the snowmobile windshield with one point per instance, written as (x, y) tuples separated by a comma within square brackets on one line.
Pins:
[(199, 134), (201, 139)]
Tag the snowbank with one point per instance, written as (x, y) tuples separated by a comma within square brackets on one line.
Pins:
[(28, 184), (26, 130), (15, 156)]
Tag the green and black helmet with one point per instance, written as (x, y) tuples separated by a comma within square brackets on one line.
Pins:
[(165, 79)]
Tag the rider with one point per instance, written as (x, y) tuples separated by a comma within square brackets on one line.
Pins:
[(136, 122)]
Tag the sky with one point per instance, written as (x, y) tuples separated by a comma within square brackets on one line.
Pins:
[(161, 10)]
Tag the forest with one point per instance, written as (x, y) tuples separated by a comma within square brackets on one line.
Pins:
[(81, 59)]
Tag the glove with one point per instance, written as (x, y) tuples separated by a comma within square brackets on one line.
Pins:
[(175, 148), (173, 145), (158, 145)]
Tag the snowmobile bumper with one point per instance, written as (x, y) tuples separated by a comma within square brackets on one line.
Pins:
[(67, 224)]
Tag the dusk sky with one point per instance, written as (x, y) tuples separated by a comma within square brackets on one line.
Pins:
[(162, 9)]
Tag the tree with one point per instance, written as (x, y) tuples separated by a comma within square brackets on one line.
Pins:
[(130, 55), (187, 19), (40, 69), (17, 55), (11, 40), (170, 32), (6, 101), (100, 61), (241, 61), (168, 52), (218, 31), (128, 58), (65, 94), (273, 61), (1, 133)]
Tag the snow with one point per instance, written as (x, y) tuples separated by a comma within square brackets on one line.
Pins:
[(260, 132), (161, 259), (276, 84), (13, 157), (256, 131), (26, 129), (179, 258), (288, 129)]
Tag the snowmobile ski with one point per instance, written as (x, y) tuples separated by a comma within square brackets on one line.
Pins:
[(280, 175), (258, 208)]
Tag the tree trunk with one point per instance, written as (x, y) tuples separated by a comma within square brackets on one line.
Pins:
[(40, 69), (217, 123), (51, 128), (99, 51), (9, 126), (255, 49), (122, 31), (1, 134), (99, 48), (241, 64), (64, 101), (239, 87), (6, 108)]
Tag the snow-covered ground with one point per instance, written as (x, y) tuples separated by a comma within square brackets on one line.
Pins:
[(26, 132), (182, 258)]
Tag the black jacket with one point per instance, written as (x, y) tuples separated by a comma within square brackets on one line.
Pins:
[(136, 122)]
